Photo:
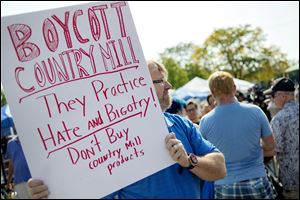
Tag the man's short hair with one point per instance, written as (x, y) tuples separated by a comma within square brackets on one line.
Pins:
[(220, 83), (191, 102), (160, 66)]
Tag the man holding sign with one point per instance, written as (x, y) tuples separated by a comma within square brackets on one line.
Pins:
[(196, 158)]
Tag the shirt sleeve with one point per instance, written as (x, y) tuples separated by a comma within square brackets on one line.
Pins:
[(278, 128), (8, 151), (266, 129), (202, 128), (200, 145)]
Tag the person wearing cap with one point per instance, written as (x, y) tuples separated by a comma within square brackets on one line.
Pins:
[(285, 125), (272, 108)]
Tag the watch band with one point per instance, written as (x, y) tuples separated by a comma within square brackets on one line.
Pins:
[(190, 166), (193, 161)]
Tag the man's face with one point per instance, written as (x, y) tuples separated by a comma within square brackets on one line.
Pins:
[(279, 98), (162, 87), (192, 112), (276, 99)]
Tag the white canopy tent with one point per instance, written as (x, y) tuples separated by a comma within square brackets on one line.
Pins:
[(195, 88), (243, 85), (198, 88)]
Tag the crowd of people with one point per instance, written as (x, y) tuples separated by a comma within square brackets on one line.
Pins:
[(280, 106), (219, 147)]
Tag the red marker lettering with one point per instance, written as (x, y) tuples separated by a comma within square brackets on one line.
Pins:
[(19, 34)]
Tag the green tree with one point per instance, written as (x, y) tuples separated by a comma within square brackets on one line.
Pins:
[(3, 98), (195, 70), (181, 57), (181, 53), (241, 51), (177, 76)]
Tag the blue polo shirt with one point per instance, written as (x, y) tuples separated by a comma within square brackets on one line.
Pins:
[(172, 182), (236, 129), (15, 153)]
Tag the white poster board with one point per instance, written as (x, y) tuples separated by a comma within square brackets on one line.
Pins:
[(82, 98)]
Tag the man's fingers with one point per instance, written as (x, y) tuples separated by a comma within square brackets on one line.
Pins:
[(176, 148), (177, 155), (173, 149), (37, 189), (171, 143), (34, 182), (41, 195), (171, 140), (170, 136)]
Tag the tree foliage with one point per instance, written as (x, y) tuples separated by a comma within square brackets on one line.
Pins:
[(181, 53), (241, 51), (181, 67), (177, 76), (195, 70), (3, 98)]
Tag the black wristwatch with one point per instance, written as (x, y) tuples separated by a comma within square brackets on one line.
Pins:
[(192, 160)]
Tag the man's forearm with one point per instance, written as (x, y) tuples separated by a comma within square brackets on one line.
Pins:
[(210, 167)]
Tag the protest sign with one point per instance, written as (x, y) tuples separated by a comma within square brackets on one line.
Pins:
[(82, 98)]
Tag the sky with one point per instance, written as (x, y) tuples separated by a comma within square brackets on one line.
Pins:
[(162, 25)]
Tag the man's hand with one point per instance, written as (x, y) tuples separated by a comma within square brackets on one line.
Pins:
[(9, 186), (177, 150), (37, 189)]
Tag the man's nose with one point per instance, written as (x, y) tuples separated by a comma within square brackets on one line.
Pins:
[(168, 85)]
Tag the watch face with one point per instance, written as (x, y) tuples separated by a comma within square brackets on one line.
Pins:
[(194, 159)]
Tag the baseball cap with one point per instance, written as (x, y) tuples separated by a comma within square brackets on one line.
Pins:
[(281, 84)]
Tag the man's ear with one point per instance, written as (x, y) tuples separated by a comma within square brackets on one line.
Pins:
[(234, 87), (213, 93)]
